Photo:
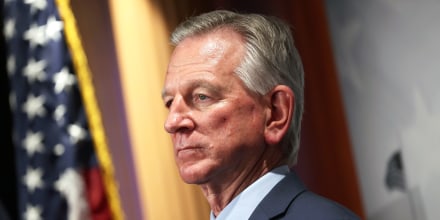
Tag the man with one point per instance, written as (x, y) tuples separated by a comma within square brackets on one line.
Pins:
[(234, 90)]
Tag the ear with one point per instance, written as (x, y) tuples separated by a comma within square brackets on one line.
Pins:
[(281, 105)]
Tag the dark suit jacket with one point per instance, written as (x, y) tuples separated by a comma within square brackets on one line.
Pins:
[(290, 199)]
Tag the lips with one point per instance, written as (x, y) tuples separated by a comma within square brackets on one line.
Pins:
[(189, 152), (184, 146), (189, 148)]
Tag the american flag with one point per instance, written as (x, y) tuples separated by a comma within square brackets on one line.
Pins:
[(54, 149)]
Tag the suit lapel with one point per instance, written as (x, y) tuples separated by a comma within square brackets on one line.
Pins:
[(279, 198)]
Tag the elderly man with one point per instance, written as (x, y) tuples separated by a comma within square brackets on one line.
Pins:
[(234, 91)]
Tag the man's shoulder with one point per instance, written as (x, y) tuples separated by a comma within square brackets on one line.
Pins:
[(309, 205), (290, 199)]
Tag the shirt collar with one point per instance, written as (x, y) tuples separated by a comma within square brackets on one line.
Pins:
[(242, 206)]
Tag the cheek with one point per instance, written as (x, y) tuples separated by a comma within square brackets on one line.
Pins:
[(222, 126), (238, 123), (234, 120), (219, 127)]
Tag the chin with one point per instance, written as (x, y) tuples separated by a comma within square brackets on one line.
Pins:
[(193, 175)]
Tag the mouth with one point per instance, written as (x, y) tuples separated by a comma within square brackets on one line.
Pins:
[(188, 148), (187, 151)]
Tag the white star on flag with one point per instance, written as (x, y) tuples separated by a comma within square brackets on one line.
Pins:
[(36, 35), (10, 65), (34, 70), (32, 213), (9, 29), (63, 79), (59, 113), (76, 133), (33, 142), (53, 28), (34, 106), (59, 149), (33, 179), (36, 4)]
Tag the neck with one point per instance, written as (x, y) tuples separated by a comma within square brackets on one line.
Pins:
[(220, 193)]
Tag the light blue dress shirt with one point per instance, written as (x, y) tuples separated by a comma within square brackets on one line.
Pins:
[(243, 205)]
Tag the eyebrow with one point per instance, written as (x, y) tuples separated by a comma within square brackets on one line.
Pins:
[(196, 83)]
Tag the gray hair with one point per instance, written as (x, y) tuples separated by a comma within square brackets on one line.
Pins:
[(271, 58)]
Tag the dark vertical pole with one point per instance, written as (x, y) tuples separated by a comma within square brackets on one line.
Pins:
[(8, 179)]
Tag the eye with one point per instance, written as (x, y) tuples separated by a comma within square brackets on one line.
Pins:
[(202, 97), (168, 103)]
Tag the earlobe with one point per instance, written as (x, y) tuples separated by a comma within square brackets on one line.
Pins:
[(280, 115)]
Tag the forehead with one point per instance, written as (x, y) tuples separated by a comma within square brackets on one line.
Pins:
[(218, 46), (213, 55)]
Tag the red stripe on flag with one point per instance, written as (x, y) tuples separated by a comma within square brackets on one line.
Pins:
[(96, 196)]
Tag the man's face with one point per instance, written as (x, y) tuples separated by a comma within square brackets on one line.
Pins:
[(215, 123)]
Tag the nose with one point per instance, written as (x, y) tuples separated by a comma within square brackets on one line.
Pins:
[(179, 118)]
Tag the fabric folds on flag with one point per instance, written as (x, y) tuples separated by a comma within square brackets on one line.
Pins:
[(60, 173)]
